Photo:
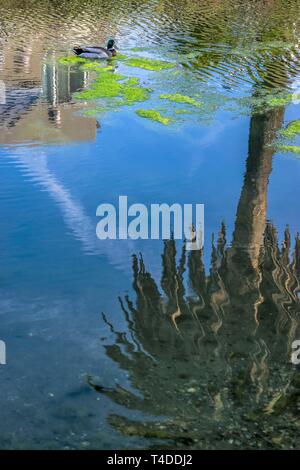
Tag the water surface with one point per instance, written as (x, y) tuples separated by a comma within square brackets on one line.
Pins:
[(134, 344)]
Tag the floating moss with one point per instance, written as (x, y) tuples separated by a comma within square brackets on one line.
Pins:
[(106, 85), (97, 66), (291, 130), (95, 111), (72, 60), (149, 64), (137, 49), (178, 98), (91, 64), (182, 111), (289, 148), (279, 101), (154, 116), (120, 56), (258, 103), (134, 93), (133, 81), (283, 100), (112, 85)]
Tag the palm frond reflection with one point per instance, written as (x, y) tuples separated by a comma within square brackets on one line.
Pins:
[(204, 349)]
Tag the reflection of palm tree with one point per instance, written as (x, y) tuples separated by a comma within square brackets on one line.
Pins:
[(266, 52), (218, 366), (215, 353), (251, 212), (212, 366)]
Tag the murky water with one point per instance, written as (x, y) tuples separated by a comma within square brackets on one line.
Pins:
[(134, 344)]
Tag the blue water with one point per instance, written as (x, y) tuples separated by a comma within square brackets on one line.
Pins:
[(57, 277)]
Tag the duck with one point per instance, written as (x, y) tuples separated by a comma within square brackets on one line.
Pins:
[(96, 52)]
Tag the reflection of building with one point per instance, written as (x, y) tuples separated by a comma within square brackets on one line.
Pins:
[(38, 96), (46, 113), (2, 92), (18, 101), (59, 82)]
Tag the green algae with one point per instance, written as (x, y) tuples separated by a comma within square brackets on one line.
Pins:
[(120, 56), (113, 85), (182, 111), (289, 148), (137, 49), (106, 85), (283, 100), (178, 98), (149, 64), (289, 134), (274, 102), (259, 102), (133, 81), (96, 66), (95, 111), (88, 63), (292, 130), (71, 60), (134, 93), (126, 89), (154, 116)]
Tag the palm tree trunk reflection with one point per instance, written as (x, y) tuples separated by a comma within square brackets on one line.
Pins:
[(214, 353)]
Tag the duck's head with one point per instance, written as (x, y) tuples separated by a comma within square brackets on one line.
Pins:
[(110, 47)]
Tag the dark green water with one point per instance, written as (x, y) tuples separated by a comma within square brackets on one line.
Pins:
[(138, 344)]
